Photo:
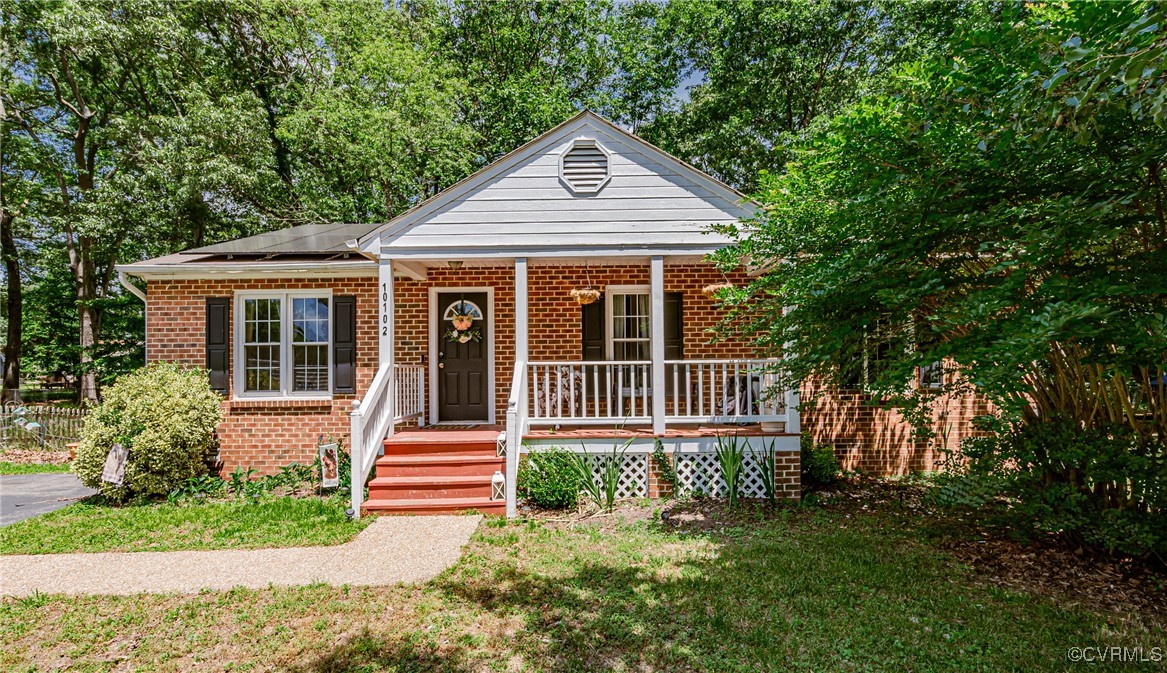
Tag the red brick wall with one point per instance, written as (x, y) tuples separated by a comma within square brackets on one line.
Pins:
[(263, 434), (870, 439), (267, 434)]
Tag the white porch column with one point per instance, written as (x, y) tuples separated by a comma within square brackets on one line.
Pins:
[(385, 344), (517, 403), (522, 352), (385, 314), (657, 280), (790, 397)]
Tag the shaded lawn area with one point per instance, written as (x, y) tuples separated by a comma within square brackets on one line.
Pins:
[(804, 589), (91, 526), (7, 468)]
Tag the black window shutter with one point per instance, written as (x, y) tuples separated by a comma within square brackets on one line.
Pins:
[(344, 344), (674, 334), (674, 326), (218, 342), (593, 330)]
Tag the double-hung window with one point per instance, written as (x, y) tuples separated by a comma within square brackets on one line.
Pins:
[(285, 341), (629, 334)]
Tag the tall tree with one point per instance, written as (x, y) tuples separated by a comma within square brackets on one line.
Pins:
[(1003, 211), (529, 64), (13, 296), (84, 71), (765, 70)]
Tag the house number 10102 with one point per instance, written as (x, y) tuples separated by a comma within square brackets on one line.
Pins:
[(384, 309)]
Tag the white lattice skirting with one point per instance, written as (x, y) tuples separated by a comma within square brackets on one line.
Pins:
[(701, 473), (633, 474)]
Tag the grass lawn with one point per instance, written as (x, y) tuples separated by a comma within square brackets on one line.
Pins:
[(846, 588), (269, 522), (31, 468)]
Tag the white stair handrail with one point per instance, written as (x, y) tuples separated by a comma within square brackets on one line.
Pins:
[(368, 423), (516, 428)]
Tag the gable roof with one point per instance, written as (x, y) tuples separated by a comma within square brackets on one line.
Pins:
[(521, 204)]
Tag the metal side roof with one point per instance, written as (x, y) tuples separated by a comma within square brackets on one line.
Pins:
[(302, 239)]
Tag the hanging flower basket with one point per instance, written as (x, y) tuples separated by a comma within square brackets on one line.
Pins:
[(713, 289), (585, 296), (462, 322)]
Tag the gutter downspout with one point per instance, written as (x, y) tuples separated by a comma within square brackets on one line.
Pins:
[(137, 292), (134, 289)]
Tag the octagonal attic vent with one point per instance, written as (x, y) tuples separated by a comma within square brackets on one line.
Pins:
[(585, 166)]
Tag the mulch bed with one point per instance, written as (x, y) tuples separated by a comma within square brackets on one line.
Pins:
[(34, 457), (1020, 560)]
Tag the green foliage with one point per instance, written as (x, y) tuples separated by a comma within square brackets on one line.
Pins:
[(768, 70), (767, 459), (1099, 487), (96, 526), (549, 479), (166, 416), (587, 483), (664, 464), (971, 213), (602, 491), (31, 468), (731, 458), (820, 466), (198, 488)]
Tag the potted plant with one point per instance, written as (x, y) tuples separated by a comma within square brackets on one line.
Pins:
[(585, 296), (714, 289)]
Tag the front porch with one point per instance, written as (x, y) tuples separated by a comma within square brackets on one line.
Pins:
[(512, 381), (452, 468)]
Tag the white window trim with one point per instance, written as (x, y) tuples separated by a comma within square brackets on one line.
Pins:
[(238, 362), (609, 319)]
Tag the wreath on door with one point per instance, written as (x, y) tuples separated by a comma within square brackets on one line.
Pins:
[(463, 322)]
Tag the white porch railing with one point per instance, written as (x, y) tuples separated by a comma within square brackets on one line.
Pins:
[(596, 393), (517, 425), (723, 391), (409, 384), (695, 391), (373, 417)]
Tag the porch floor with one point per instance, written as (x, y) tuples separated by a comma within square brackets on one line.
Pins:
[(486, 431), (688, 432)]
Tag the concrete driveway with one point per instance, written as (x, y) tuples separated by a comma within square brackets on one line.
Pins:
[(23, 496)]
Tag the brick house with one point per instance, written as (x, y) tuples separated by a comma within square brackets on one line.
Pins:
[(556, 297)]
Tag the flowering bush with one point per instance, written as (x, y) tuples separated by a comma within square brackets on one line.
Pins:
[(166, 416)]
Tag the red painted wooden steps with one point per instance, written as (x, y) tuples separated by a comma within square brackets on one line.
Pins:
[(437, 471)]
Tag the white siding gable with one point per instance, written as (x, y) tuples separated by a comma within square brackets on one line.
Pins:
[(650, 202)]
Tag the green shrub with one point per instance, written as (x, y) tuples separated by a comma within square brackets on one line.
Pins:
[(548, 478), (166, 416), (731, 458), (820, 467), (1101, 487)]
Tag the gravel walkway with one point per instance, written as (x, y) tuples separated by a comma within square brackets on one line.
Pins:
[(390, 550)]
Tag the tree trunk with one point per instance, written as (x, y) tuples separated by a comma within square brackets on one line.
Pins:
[(15, 306), (85, 279)]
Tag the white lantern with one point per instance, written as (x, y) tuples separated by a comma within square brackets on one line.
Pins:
[(498, 486)]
